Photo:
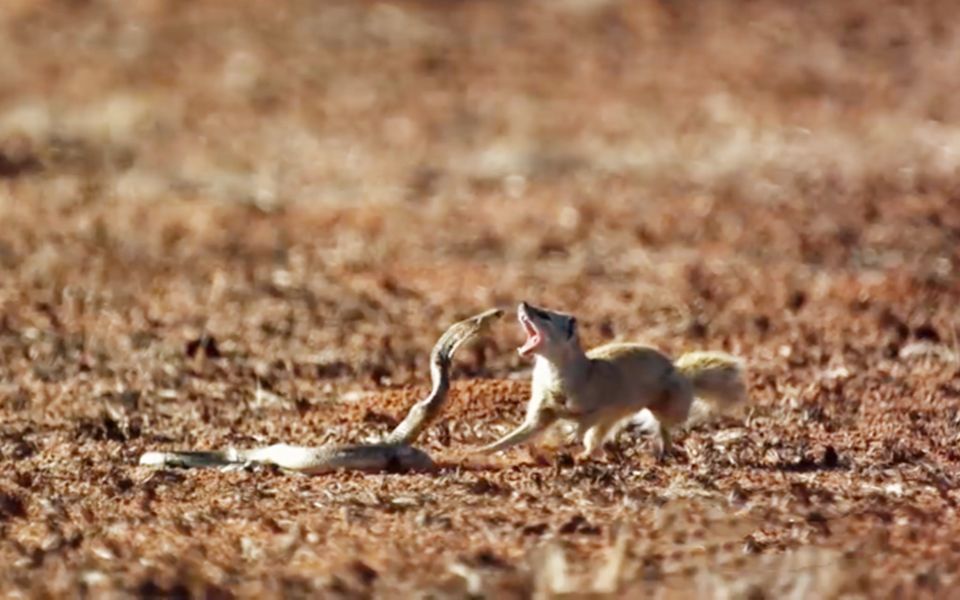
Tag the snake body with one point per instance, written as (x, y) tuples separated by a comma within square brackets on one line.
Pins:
[(393, 453)]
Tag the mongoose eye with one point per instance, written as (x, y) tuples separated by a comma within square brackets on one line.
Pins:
[(571, 327)]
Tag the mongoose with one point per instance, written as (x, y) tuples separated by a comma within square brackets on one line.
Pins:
[(392, 453), (598, 388)]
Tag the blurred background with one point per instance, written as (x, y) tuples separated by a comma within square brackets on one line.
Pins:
[(458, 154), (293, 175), (379, 102)]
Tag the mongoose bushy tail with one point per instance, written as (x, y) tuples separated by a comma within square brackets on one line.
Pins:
[(716, 377)]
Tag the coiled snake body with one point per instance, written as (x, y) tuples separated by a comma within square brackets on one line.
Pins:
[(393, 453)]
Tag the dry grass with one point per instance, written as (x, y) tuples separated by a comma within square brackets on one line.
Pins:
[(314, 192)]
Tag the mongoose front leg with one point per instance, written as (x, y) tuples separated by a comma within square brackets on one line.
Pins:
[(536, 422), (663, 443)]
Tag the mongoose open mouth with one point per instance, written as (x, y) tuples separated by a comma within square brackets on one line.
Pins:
[(533, 334)]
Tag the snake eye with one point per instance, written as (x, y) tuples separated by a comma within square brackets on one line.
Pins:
[(571, 327)]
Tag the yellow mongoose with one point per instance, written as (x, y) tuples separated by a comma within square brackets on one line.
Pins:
[(601, 387)]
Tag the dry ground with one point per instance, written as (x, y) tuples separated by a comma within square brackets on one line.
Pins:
[(246, 222)]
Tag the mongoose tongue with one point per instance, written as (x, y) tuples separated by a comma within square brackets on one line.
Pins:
[(533, 337)]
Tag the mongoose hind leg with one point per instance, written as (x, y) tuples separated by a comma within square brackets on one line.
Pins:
[(593, 440), (672, 411)]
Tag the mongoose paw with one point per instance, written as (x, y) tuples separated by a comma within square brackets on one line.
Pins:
[(663, 452), (671, 454), (565, 460), (612, 450), (596, 454)]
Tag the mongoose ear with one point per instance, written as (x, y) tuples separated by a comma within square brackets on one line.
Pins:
[(571, 327)]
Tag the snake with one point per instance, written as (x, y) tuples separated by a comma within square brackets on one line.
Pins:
[(394, 452)]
